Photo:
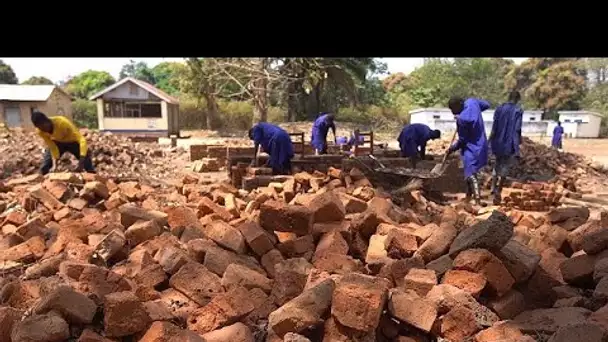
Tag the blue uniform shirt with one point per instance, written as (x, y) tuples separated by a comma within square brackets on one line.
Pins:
[(506, 130)]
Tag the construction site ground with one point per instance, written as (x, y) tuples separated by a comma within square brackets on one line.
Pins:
[(151, 249)]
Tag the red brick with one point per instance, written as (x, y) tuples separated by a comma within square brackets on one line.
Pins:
[(303, 311), (420, 281), (226, 236), (550, 320), (45, 197), (111, 245), (269, 261), (151, 276), (508, 306), (59, 190), (377, 256), (197, 248), (181, 217), (196, 282), (8, 317), (97, 188), (441, 264), (130, 213), (237, 332), (290, 279), (592, 333), (168, 332), (482, 261), (89, 335), (333, 243), (124, 315), (77, 203), (438, 243), (520, 260), (458, 324), (75, 307), (578, 270), (547, 236), (207, 206), (400, 244), (502, 331), (31, 228), (217, 260), (408, 307), (224, 309), (276, 216), (27, 251), (302, 246), (180, 305), (358, 301), (48, 327), (257, 238), (171, 259), (16, 218), (142, 231), (327, 207), (333, 331), (353, 204), (238, 275), (470, 282)]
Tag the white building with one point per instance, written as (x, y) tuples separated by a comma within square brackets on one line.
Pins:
[(577, 124), (132, 106)]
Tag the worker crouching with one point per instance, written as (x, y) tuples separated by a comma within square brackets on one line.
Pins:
[(61, 136), (276, 142), (413, 139)]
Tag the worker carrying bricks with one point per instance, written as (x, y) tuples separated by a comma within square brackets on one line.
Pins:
[(472, 141), (61, 136), (412, 141), (276, 142), (505, 140), (320, 128)]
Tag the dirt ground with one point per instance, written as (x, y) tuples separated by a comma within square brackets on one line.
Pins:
[(596, 149)]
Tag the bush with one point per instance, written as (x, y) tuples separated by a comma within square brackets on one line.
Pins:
[(84, 113), (377, 118)]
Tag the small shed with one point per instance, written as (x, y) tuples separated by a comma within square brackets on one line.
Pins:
[(135, 107), (17, 102), (579, 124)]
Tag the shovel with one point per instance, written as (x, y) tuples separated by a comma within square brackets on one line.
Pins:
[(439, 169)]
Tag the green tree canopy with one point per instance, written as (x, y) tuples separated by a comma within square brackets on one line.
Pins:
[(167, 76), (7, 75), (88, 83), (38, 80), (138, 70)]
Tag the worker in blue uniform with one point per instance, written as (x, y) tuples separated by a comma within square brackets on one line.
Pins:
[(472, 141), (413, 139), (556, 141), (276, 142), (320, 128), (504, 140)]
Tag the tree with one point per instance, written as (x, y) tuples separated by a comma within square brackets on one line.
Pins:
[(137, 70), (88, 83), (597, 70), (7, 75), (167, 76), (199, 80), (550, 84), (38, 80)]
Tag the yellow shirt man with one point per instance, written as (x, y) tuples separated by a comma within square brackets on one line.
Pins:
[(60, 136)]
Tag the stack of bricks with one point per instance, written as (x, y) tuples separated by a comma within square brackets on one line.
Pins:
[(219, 152), (533, 196)]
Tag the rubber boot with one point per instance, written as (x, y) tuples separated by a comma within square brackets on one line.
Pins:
[(498, 190), (476, 191), (469, 194), (494, 184)]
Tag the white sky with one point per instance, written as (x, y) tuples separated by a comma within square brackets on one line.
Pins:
[(58, 69)]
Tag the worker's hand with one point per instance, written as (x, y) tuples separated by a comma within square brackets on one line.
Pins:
[(451, 150), (55, 164), (80, 167)]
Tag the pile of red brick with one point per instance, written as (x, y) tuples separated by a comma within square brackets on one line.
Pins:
[(21, 154), (318, 257)]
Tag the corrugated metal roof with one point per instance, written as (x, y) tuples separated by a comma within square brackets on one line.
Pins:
[(145, 85), (18, 92)]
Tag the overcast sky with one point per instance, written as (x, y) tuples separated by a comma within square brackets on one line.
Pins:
[(58, 69)]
